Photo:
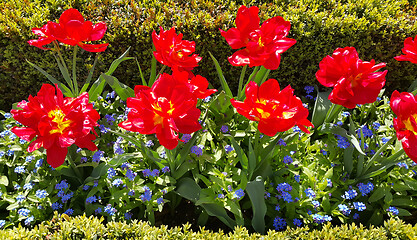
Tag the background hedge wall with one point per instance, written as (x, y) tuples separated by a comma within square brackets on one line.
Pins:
[(376, 28)]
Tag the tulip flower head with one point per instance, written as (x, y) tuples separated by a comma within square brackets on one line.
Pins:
[(166, 109), (172, 51), (354, 81), (259, 45), (56, 122), (409, 50), (404, 105), (275, 110), (73, 30)]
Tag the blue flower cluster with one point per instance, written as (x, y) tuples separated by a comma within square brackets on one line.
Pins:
[(97, 156), (350, 194), (342, 142), (228, 148), (197, 150), (288, 159), (110, 210), (91, 199), (224, 129), (147, 195), (317, 218), (365, 189), (279, 223), (41, 193), (310, 193), (150, 173), (344, 209), (111, 173), (238, 194), (186, 137), (130, 175), (366, 132), (393, 210), (283, 190)]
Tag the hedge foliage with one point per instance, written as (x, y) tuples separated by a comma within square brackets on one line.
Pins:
[(377, 28), (82, 227)]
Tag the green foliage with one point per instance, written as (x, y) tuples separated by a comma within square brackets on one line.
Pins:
[(82, 227), (376, 28)]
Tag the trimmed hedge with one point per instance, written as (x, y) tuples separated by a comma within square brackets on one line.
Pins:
[(376, 28), (81, 227)]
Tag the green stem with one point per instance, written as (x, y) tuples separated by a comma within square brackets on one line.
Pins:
[(265, 76), (64, 65), (171, 161), (75, 169), (74, 71), (242, 76)]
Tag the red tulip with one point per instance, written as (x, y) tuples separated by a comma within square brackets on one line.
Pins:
[(197, 85), (354, 81), (410, 50), (56, 122), (165, 109), (263, 45), (172, 51), (73, 30), (404, 105), (275, 110)]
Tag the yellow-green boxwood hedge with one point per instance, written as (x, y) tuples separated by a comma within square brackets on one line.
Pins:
[(82, 227), (376, 28)]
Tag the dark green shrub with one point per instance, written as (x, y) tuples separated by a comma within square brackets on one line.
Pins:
[(377, 28)]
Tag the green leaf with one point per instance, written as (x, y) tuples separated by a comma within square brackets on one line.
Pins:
[(251, 161), (377, 194), (309, 174), (256, 192), (348, 159), (141, 74), (4, 180), (233, 207), (96, 89), (122, 90), (376, 218), (90, 76), (65, 90), (223, 82), (241, 156), (188, 188), (334, 129), (321, 107), (65, 74)]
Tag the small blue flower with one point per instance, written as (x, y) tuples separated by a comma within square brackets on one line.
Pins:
[(228, 148), (366, 132), (385, 140), (279, 223), (400, 164), (20, 198), (67, 197), (296, 129), (324, 152), (146, 172), (29, 159), (339, 123), (310, 193), (118, 149), (345, 114), (351, 194), (365, 189), (125, 165), (165, 169), (98, 210), (86, 187), (23, 211), (159, 201), (287, 197), (130, 175), (91, 199), (207, 99), (297, 178), (16, 186), (117, 182), (128, 215), (355, 216), (163, 154), (197, 150), (284, 187), (56, 206), (393, 210), (69, 211), (309, 89), (155, 173), (277, 207), (131, 193), (342, 142), (329, 182), (281, 142), (111, 173), (344, 209), (360, 206), (29, 220), (297, 222), (186, 137), (8, 115), (39, 163), (2, 153), (97, 156), (83, 159), (20, 169), (238, 194), (41, 193), (62, 185), (220, 195), (224, 129), (288, 159), (146, 196), (376, 125), (2, 223), (315, 203), (110, 210), (28, 186)]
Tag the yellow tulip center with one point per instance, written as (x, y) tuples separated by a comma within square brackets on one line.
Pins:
[(260, 42), (159, 119), (57, 117), (409, 125), (355, 79)]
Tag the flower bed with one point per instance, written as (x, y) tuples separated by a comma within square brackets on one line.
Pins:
[(255, 158)]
